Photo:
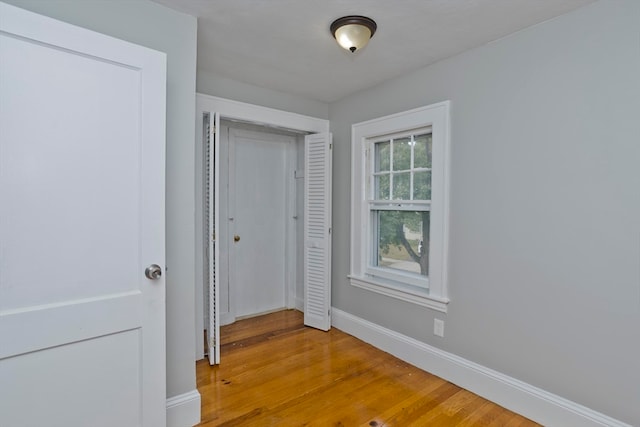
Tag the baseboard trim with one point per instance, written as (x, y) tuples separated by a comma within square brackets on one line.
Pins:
[(532, 402), (227, 318), (299, 304), (183, 410)]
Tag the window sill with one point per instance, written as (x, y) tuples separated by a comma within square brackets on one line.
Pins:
[(399, 292)]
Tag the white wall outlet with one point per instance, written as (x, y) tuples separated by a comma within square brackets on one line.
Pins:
[(438, 327)]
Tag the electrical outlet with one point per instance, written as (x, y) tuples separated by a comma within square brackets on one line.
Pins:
[(438, 327)]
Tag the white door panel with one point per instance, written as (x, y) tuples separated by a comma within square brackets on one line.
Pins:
[(258, 197), (46, 194), (81, 217), (111, 360), (317, 231), (211, 168)]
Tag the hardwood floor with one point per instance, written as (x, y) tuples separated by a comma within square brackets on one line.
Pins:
[(276, 372)]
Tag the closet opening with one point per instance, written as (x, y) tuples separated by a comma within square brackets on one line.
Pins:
[(262, 226)]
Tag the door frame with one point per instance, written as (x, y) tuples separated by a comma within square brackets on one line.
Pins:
[(234, 110)]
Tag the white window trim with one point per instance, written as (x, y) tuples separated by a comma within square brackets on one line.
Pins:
[(435, 116)]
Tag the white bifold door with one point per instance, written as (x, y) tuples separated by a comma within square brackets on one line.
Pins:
[(82, 226), (211, 199), (317, 231)]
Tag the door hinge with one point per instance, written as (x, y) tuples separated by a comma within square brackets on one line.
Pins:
[(329, 230), (330, 146)]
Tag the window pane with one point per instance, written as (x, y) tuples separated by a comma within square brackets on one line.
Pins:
[(382, 156), (422, 185), (422, 151), (381, 191), (401, 154), (403, 241), (401, 186)]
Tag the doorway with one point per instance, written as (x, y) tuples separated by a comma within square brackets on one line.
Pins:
[(307, 238)]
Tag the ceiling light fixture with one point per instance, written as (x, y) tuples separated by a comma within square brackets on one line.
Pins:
[(353, 32)]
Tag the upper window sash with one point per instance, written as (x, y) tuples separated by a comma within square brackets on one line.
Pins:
[(399, 166)]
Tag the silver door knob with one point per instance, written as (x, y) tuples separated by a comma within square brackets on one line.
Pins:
[(153, 272)]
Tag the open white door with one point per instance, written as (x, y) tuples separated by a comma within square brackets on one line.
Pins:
[(82, 159), (211, 141), (317, 231)]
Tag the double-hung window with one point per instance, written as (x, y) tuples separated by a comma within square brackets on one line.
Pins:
[(399, 190), (399, 205)]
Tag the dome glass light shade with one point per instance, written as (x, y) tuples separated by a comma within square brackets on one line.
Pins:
[(353, 32), (353, 36)]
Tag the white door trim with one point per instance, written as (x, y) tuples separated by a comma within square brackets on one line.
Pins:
[(229, 109), (290, 239)]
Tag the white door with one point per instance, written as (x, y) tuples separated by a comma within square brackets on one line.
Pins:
[(82, 330), (317, 231), (211, 156), (258, 195)]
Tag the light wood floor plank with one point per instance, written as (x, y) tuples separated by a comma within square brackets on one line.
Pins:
[(277, 372)]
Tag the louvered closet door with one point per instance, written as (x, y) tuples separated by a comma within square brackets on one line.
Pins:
[(317, 231), (211, 122)]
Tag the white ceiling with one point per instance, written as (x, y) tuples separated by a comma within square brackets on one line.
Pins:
[(286, 45)]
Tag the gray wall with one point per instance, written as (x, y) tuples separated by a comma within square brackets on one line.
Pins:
[(545, 206), (160, 28), (214, 85)]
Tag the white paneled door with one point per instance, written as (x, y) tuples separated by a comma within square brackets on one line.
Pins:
[(258, 198), (82, 327)]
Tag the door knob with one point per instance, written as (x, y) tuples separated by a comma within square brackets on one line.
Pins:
[(236, 238), (153, 272)]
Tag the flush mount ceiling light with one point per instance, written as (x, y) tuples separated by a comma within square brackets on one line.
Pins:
[(353, 32)]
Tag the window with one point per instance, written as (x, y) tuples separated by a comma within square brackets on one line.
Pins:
[(399, 198), (399, 221)]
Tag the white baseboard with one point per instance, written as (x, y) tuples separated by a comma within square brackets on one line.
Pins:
[(183, 410), (299, 304), (532, 402), (227, 318)]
